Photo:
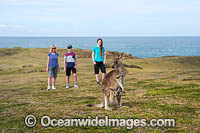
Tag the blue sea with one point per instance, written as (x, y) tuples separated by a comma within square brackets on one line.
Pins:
[(141, 47)]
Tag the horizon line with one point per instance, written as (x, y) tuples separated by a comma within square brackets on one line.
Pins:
[(113, 36)]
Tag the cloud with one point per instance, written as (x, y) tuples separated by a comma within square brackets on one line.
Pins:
[(3, 26), (18, 27), (34, 2), (14, 27)]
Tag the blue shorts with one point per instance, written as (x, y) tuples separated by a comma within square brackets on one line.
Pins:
[(53, 71)]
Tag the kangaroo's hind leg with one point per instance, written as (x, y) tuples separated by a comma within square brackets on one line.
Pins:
[(106, 102)]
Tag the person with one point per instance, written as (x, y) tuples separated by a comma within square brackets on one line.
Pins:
[(70, 64), (99, 59), (52, 67)]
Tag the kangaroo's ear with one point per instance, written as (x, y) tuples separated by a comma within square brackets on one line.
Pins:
[(120, 56), (116, 57), (113, 54)]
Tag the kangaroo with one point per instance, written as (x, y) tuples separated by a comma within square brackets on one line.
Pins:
[(117, 64), (112, 85)]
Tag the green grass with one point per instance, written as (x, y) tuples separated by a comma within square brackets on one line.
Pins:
[(157, 91)]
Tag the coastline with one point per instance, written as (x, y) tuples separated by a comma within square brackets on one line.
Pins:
[(82, 53), (141, 47)]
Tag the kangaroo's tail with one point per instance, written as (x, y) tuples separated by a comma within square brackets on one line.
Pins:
[(101, 105)]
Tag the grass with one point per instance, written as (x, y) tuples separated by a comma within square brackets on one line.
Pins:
[(157, 91)]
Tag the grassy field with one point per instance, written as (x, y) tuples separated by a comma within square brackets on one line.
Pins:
[(167, 87)]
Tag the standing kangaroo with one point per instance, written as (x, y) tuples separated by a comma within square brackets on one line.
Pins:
[(113, 84), (118, 65)]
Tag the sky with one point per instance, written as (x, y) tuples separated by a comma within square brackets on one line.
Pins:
[(99, 18)]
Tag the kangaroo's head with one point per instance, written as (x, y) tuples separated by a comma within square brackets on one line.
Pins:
[(116, 62)]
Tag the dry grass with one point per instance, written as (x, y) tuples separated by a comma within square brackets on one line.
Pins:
[(160, 90)]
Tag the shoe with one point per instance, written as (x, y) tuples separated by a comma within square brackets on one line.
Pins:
[(53, 88), (67, 86), (48, 88), (98, 83), (75, 86)]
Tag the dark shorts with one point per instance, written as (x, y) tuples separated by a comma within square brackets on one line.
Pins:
[(68, 71), (101, 66)]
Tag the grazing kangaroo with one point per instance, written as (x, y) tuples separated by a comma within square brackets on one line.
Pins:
[(112, 84)]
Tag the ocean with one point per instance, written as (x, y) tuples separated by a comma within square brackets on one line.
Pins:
[(141, 47)]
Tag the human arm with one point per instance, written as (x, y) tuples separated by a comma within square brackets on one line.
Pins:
[(104, 56), (93, 58), (64, 64), (47, 68), (58, 66)]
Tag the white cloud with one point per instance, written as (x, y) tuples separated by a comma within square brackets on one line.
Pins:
[(6, 27), (3, 26), (12, 26), (18, 27)]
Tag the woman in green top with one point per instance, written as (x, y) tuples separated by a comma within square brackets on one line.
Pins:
[(99, 59)]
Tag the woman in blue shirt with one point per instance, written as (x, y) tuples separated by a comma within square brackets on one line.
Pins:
[(52, 66), (99, 59)]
